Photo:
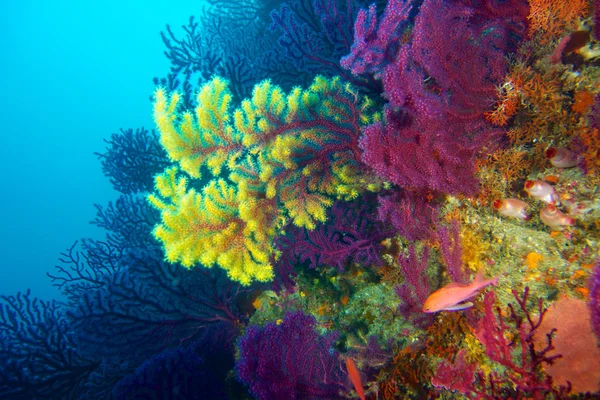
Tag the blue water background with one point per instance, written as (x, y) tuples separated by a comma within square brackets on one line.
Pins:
[(73, 73)]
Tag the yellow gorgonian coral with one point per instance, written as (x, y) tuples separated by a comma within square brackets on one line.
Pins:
[(212, 227), (276, 157), (204, 138)]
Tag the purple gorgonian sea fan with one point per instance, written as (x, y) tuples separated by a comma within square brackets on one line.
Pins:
[(438, 84), (351, 234), (290, 360)]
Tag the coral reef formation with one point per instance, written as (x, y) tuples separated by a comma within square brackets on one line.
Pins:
[(322, 171)]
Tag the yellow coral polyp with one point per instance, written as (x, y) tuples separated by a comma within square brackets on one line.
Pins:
[(277, 102), (271, 189), (293, 103), (281, 151), (316, 210), (308, 209), (260, 94)]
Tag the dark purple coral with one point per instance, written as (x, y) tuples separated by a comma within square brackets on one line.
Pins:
[(175, 373), (197, 371), (305, 38), (290, 361), (352, 234), (128, 222), (132, 159), (315, 34), (38, 354), (145, 304), (594, 298)]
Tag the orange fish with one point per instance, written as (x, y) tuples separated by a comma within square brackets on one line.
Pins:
[(354, 376), (452, 297)]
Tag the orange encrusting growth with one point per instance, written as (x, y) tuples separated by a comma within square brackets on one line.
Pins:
[(508, 105), (582, 101), (551, 18)]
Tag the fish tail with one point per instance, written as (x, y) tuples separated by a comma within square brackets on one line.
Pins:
[(480, 280)]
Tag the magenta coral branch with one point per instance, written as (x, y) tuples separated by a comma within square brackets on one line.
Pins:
[(522, 376), (415, 289), (594, 298), (451, 67), (438, 84), (375, 45), (420, 157), (451, 248), (492, 332)]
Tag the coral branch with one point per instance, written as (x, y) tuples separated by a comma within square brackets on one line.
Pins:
[(376, 45)]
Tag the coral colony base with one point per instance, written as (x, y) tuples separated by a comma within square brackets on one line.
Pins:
[(396, 200)]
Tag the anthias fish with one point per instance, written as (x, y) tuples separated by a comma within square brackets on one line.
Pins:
[(354, 376), (453, 297)]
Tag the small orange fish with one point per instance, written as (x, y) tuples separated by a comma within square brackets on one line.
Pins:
[(452, 297), (354, 376)]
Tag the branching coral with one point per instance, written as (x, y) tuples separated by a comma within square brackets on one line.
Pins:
[(208, 227), (141, 303), (190, 372), (38, 354), (290, 360), (416, 288), (131, 160), (509, 341), (442, 81), (352, 235), (288, 156), (316, 34)]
